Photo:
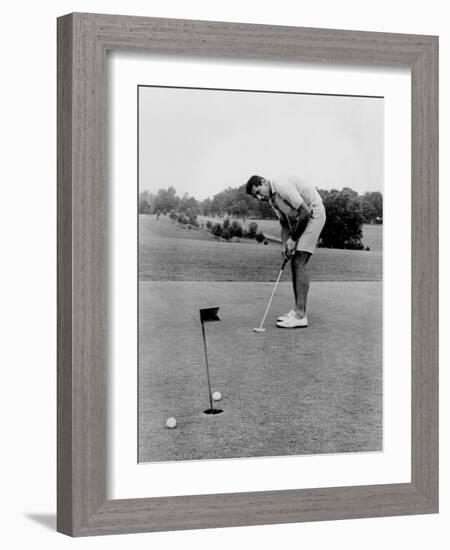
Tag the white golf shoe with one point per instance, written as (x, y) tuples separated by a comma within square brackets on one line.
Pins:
[(286, 316), (293, 322)]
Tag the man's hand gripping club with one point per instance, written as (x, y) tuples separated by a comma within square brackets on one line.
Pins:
[(288, 248), (290, 238)]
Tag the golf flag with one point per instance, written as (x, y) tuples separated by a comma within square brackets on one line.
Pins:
[(209, 314)]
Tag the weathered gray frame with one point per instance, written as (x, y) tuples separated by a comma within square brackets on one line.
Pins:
[(83, 40)]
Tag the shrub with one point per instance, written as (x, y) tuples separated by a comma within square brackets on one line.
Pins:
[(259, 237), (216, 230), (209, 224), (266, 241), (187, 218), (354, 244), (236, 229), (182, 219), (226, 234), (252, 230)]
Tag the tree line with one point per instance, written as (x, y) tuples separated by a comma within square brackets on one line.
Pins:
[(346, 210), (231, 202)]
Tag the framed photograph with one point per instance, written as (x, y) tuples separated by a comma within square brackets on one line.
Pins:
[(283, 182), (207, 243)]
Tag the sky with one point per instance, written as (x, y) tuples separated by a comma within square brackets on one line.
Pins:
[(203, 141)]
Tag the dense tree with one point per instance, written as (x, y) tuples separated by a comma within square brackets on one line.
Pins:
[(222, 202), (375, 198), (368, 212), (234, 202), (205, 207), (239, 208), (188, 204), (166, 200), (145, 202), (343, 228)]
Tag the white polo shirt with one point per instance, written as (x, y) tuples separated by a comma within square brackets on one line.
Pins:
[(288, 194)]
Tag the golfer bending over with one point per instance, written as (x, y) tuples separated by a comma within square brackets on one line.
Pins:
[(301, 213)]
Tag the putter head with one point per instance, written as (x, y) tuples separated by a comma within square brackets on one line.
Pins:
[(259, 329)]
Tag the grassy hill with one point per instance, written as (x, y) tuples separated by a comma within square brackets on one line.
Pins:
[(168, 251)]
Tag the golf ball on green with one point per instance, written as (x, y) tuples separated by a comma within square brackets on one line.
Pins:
[(217, 396), (171, 422)]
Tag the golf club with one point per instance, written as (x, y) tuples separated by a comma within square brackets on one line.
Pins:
[(260, 328)]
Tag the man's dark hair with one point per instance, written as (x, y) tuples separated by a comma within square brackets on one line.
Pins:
[(254, 181)]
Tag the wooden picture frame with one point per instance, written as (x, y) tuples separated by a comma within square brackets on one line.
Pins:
[(83, 40)]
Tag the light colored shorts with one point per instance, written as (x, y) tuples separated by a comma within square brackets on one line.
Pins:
[(309, 238)]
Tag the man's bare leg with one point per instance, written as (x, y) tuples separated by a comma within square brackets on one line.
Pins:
[(300, 281)]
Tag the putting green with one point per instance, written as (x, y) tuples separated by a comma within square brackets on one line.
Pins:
[(284, 392)]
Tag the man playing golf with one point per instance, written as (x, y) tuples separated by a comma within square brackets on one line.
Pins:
[(301, 213)]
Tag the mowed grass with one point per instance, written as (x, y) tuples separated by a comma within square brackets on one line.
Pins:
[(373, 237), (284, 392), (307, 391), (169, 252)]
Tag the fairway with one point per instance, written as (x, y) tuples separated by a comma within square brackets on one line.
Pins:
[(373, 237), (314, 390), (170, 252)]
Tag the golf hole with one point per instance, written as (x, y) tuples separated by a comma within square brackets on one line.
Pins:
[(213, 411)]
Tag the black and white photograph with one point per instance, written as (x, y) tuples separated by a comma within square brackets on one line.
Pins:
[(260, 273), (220, 300)]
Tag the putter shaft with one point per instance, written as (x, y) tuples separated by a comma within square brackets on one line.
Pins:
[(272, 295)]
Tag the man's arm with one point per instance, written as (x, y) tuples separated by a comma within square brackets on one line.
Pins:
[(289, 194), (285, 227), (304, 214), (300, 225), (285, 232)]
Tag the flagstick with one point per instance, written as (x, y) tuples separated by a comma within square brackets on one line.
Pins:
[(207, 368)]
